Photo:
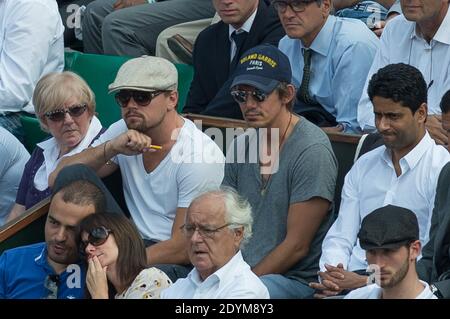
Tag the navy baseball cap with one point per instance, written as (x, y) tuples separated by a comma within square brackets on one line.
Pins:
[(262, 67)]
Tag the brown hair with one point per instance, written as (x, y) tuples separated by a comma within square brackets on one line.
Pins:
[(283, 92), (132, 258)]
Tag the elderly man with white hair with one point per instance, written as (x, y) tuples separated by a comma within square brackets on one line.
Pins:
[(217, 224)]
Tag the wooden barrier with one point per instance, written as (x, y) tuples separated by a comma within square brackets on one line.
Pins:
[(29, 228), (25, 229)]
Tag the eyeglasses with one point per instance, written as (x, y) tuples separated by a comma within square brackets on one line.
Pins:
[(296, 5), (141, 98), (60, 114), (51, 283), (241, 96), (205, 232), (97, 236)]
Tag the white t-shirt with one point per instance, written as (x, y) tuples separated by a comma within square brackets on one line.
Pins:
[(374, 292), (194, 163)]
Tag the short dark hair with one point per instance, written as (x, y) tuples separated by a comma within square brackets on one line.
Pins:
[(283, 91), (83, 192), (402, 83), (132, 258), (445, 102)]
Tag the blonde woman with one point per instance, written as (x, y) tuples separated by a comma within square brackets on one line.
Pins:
[(65, 107)]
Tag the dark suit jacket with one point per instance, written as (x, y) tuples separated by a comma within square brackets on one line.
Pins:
[(435, 259), (210, 89)]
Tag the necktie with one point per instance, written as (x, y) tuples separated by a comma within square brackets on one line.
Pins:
[(239, 39), (303, 93)]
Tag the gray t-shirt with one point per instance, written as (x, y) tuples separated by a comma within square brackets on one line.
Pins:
[(307, 169)]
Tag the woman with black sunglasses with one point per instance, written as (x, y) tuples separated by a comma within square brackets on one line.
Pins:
[(117, 261), (65, 107)]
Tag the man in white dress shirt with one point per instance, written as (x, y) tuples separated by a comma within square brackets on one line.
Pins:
[(390, 236), (402, 172), (31, 45), (217, 224), (420, 37)]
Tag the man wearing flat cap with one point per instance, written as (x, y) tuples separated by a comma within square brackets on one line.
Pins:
[(289, 182), (164, 159), (390, 237)]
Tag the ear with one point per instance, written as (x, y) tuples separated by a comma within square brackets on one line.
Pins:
[(173, 101), (91, 111), (326, 8), (291, 94), (422, 113), (414, 250), (238, 236)]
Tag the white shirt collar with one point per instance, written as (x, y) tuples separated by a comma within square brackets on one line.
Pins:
[(51, 152), (414, 156), (442, 34), (245, 27), (221, 275)]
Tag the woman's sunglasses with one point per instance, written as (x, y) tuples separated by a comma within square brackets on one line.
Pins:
[(60, 114), (141, 98), (241, 96), (97, 236)]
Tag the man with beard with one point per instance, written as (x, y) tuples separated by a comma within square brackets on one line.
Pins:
[(164, 159), (52, 269), (421, 38), (390, 237), (404, 172)]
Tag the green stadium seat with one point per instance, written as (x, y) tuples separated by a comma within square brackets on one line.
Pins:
[(33, 132), (185, 75), (99, 71), (69, 58)]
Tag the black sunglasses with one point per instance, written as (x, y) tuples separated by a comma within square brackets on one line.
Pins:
[(241, 96), (97, 236), (60, 114), (141, 98)]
